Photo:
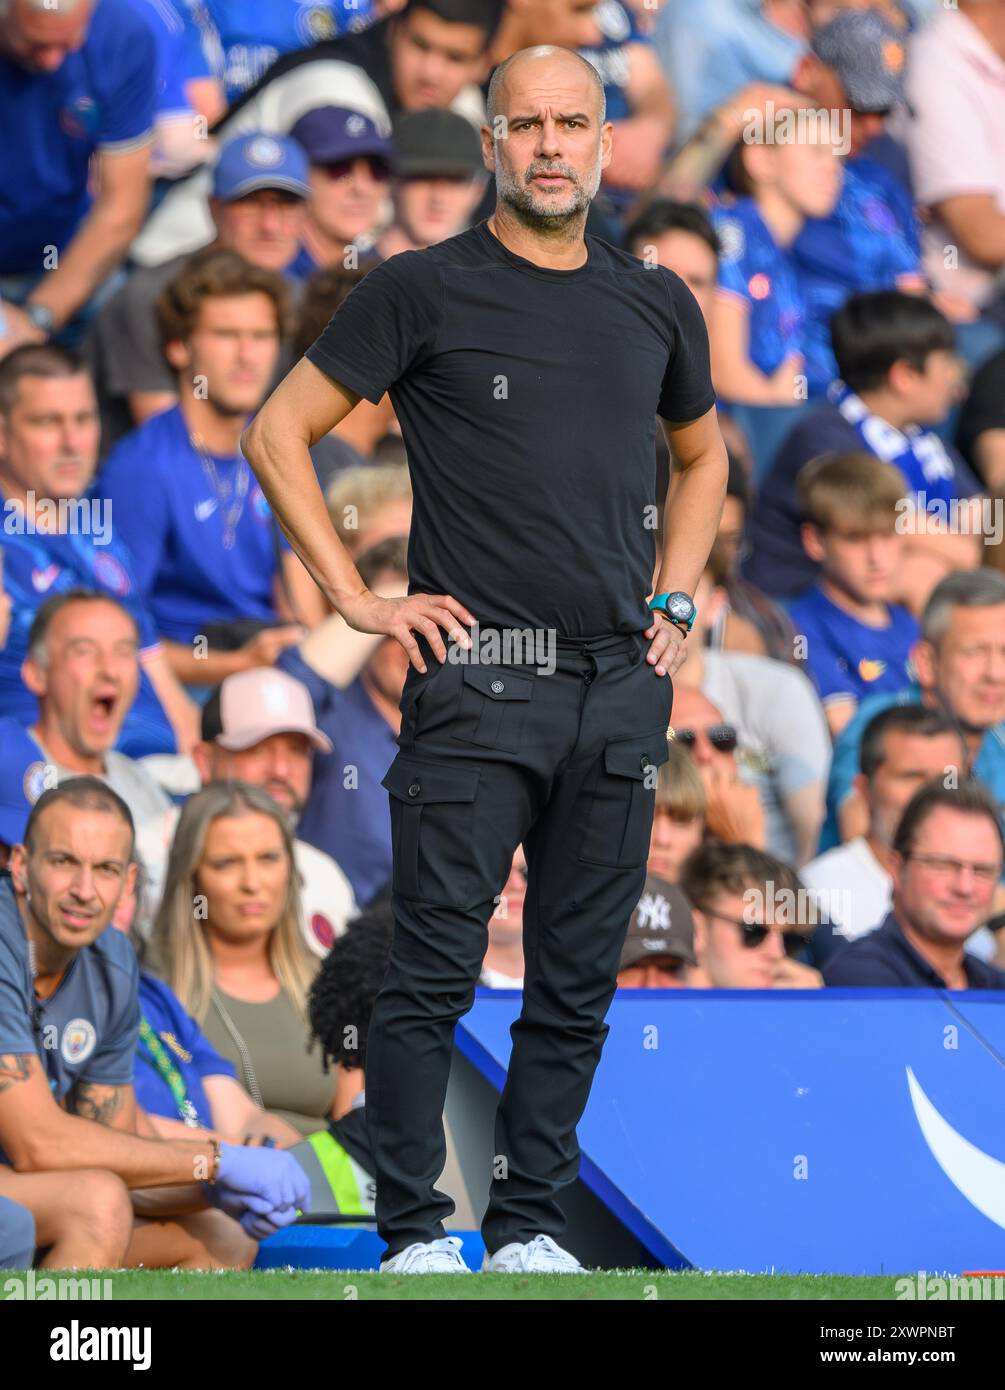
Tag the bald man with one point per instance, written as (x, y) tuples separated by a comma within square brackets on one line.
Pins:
[(527, 363), (76, 80)]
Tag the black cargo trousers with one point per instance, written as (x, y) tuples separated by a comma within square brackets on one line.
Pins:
[(492, 756)]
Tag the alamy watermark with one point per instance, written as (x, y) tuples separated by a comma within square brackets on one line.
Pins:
[(797, 907), (43, 1288), (921, 515), (507, 646), (926, 1288), (800, 125), (64, 516)]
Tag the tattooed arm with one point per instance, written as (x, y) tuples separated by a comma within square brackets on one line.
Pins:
[(38, 1136), (114, 1106)]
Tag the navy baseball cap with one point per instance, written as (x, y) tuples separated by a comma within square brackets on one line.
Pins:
[(260, 161), (331, 134), (868, 55)]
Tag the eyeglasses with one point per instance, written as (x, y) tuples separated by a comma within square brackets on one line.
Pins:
[(944, 866), (722, 737), (754, 934)]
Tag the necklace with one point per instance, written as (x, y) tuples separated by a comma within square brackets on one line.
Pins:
[(222, 489), (243, 1051)]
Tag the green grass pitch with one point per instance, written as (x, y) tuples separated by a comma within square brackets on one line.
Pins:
[(345, 1285)]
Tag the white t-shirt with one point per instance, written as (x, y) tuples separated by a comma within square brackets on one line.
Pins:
[(327, 904), (856, 893), (853, 888)]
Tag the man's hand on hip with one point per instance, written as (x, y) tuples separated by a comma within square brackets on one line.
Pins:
[(400, 617), (668, 651)]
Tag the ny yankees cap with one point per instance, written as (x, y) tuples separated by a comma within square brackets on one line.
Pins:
[(661, 925)]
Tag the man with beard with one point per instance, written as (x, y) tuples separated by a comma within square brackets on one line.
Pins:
[(206, 555), (526, 363)]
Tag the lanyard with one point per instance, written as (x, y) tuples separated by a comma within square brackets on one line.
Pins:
[(170, 1073), (221, 489)]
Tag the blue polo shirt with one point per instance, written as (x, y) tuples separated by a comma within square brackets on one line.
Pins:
[(350, 822), (762, 275), (254, 36), (867, 243), (167, 29), (37, 566), (86, 1030), (885, 958), (168, 516), (848, 659), (989, 766), (185, 1044), (100, 99)]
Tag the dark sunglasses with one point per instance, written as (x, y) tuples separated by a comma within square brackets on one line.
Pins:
[(379, 168), (721, 736), (754, 934)]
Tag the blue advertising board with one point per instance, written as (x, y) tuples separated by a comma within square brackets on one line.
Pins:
[(835, 1131)]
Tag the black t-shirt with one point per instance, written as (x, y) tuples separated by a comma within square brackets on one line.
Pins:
[(527, 399)]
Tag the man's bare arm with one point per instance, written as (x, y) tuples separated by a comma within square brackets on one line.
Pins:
[(977, 225), (103, 238), (113, 1106), (691, 515), (304, 407), (38, 1136), (698, 492)]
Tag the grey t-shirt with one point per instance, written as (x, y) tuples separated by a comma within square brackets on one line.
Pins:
[(784, 743), (142, 793)]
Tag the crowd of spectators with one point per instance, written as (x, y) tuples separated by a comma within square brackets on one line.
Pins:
[(192, 744)]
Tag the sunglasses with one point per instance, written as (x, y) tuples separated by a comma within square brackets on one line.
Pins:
[(379, 168), (754, 934), (722, 737)]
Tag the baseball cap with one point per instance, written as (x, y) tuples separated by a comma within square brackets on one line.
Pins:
[(250, 706), (260, 161), (868, 55), (330, 134), (435, 141), (661, 925)]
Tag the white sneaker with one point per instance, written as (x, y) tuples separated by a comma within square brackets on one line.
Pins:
[(432, 1257), (538, 1256)]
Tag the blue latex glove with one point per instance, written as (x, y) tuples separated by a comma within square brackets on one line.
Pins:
[(261, 1188)]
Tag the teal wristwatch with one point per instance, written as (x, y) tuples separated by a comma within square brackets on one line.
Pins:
[(677, 607)]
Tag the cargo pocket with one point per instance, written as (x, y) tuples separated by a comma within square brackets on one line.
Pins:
[(621, 794), (492, 707), (431, 829)]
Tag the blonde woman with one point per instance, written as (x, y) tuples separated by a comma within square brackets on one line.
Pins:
[(228, 942)]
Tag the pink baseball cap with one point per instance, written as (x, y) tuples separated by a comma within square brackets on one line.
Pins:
[(250, 706)]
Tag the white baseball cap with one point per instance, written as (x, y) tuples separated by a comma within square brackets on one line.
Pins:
[(251, 706)]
